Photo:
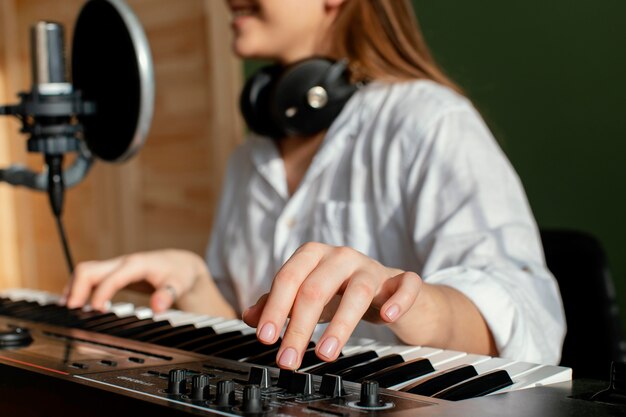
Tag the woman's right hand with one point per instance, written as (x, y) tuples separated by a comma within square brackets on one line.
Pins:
[(176, 275)]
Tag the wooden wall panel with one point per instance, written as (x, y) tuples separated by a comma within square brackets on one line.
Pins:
[(164, 197)]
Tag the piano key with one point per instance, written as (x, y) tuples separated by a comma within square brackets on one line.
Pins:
[(343, 363), (441, 381), (478, 386), (133, 329), (202, 342), (160, 332), (396, 374), (355, 373), (542, 375), (244, 350), (440, 361), (225, 341), (182, 335), (492, 364), (518, 369), (111, 324), (310, 358), (190, 327), (267, 358)]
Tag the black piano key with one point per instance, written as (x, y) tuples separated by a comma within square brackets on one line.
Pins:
[(39, 313), (439, 382), (267, 358), (244, 350), (152, 334), (135, 328), (476, 387), (17, 308), (212, 339), (222, 344), (111, 325), (357, 372), (341, 364), (182, 335), (401, 372), (93, 321), (310, 358)]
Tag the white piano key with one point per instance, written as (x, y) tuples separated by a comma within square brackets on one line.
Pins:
[(229, 326), (492, 364), (357, 344), (122, 309), (212, 321), (412, 352), (543, 375), (143, 313), (519, 369)]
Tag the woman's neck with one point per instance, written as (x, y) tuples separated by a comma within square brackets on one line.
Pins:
[(297, 154)]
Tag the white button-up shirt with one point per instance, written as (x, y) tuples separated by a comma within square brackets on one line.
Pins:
[(409, 175)]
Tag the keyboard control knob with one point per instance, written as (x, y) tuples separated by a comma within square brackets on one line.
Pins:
[(176, 381), (252, 403), (225, 393), (369, 394), (17, 337), (259, 376), (332, 386), (200, 389), (301, 383), (284, 379)]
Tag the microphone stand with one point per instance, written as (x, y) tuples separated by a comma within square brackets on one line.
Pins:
[(49, 115)]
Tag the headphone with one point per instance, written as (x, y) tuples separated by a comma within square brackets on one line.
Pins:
[(300, 99)]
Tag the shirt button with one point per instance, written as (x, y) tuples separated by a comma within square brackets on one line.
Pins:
[(290, 223)]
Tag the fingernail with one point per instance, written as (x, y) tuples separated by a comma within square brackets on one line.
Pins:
[(267, 333), (329, 347), (288, 358), (392, 312)]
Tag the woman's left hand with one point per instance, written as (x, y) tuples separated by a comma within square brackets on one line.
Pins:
[(325, 283)]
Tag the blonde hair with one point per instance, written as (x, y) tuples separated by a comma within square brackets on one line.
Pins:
[(382, 40)]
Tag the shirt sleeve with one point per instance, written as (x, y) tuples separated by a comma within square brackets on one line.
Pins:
[(473, 230)]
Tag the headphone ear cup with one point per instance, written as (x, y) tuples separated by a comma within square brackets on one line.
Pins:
[(292, 106), (256, 99)]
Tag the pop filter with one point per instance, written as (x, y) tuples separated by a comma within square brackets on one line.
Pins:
[(112, 67)]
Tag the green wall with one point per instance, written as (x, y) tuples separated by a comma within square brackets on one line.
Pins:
[(549, 76)]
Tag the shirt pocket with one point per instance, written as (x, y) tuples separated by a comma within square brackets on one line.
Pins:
[(342, 223)]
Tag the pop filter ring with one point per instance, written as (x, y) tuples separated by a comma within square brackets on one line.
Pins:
[(136, 75)]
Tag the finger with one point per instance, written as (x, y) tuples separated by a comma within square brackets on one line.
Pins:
[(252, 315), (165, 296), (285, 288), (315, 292), (356, 299), (133, 268), (87, 275), (404, 289)]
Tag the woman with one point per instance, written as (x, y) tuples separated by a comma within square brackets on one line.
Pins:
[(337, 226)]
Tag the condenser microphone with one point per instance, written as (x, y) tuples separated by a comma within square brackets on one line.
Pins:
[(104, 112)]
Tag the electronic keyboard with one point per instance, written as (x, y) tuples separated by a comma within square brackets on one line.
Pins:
[(179, 363)]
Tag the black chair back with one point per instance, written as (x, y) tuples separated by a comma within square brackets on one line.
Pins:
[(594, 330)]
